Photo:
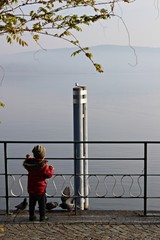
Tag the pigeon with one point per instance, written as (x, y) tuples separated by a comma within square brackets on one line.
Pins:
[(20, 208), (22, 205), (51, 205), (67, 200)]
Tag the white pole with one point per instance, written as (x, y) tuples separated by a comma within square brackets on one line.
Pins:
[(85, 152), (81, 150)]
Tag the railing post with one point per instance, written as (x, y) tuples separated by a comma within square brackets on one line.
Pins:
[(145, 178), (6, 177), (75, 175)]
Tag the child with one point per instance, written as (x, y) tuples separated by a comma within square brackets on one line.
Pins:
[(38, 172)]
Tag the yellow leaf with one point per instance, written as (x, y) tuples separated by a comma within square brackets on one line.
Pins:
[(1, 229), (2, 104)]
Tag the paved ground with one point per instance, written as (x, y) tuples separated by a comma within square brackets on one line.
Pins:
[(87, 225)]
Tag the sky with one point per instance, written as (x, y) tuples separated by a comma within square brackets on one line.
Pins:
[(141, 18)]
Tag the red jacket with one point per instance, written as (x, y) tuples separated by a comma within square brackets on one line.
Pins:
[(38, 172)]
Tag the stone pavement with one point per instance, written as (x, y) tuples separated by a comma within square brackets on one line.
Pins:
[(86, 225)]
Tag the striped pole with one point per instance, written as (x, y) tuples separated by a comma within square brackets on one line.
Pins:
[(81, 149)]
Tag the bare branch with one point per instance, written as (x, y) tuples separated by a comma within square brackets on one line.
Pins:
[(156, 4), (129, 41)]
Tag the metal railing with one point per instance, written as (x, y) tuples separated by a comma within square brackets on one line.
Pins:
[(101, 184)]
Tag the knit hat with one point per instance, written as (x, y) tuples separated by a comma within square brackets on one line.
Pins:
[(39, 151)]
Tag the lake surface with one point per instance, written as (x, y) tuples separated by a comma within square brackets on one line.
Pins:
[(123, 104)]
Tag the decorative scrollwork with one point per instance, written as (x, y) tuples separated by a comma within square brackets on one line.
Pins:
[(19, 185), (100, 186)]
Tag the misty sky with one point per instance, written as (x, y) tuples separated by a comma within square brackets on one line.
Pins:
[(141, 17)]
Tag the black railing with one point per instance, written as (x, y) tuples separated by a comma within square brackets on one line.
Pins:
[(101, 184)]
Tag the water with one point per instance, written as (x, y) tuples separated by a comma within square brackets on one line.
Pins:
[(123, 104)]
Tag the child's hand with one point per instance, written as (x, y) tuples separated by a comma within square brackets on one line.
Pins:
[(51, 167)]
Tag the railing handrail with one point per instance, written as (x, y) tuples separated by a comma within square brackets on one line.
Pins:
[(70, 141)]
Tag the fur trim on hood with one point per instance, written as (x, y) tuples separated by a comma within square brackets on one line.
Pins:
[(34, 163)]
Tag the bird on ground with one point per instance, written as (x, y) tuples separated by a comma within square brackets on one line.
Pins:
[(51, 205), (22, 205), (67, 200)]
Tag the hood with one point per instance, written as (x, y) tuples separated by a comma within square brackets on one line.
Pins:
[(33, 164)]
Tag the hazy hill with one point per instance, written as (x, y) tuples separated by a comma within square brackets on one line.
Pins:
[(119, 58)]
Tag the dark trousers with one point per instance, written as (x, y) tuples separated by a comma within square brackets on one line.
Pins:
[(41, 199)]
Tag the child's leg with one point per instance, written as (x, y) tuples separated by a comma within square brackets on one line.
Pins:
[(32, 204), (42, 206)]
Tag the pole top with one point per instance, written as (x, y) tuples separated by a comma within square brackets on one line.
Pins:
[(79, 94), (77, 86)]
